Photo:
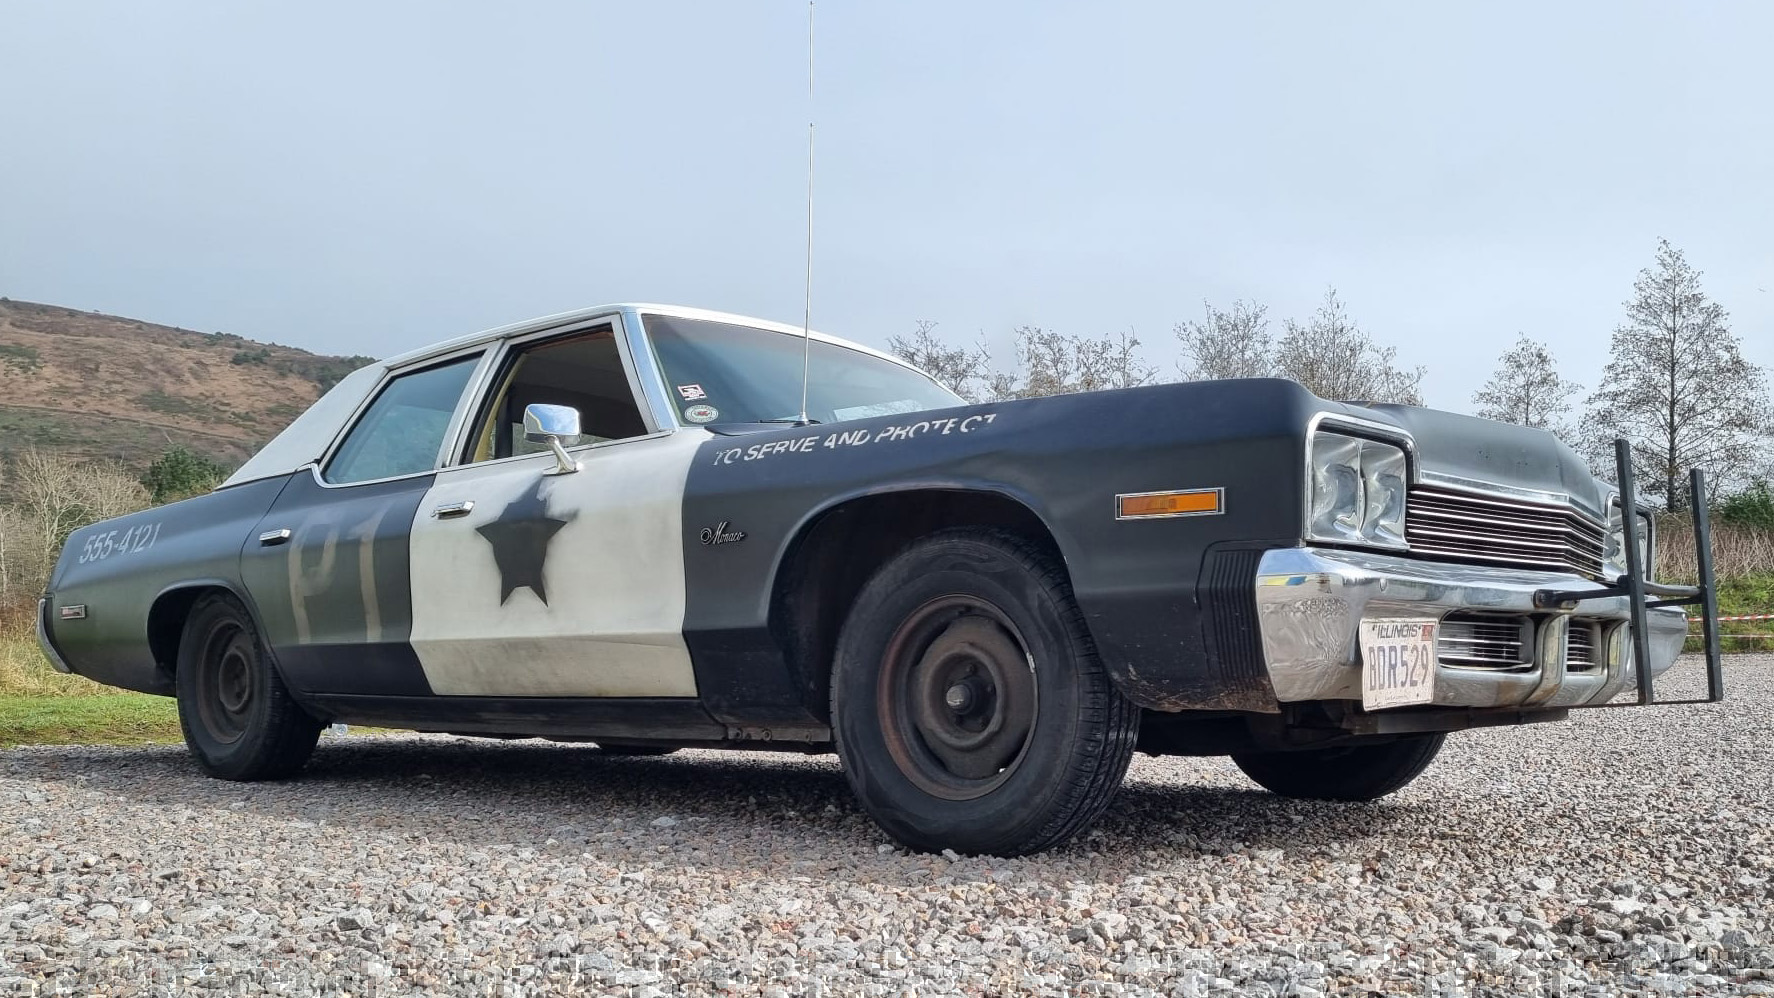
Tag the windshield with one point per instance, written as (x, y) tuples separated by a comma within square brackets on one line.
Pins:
[(727, 373)]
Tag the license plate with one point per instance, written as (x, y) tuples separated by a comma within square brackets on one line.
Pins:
[(1397, 662)]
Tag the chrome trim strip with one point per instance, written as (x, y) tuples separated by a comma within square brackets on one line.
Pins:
[(1503, 501), (1492, 488), (49, 651), (648, 373)]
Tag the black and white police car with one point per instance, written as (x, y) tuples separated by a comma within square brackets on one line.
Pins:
[(623, 525)]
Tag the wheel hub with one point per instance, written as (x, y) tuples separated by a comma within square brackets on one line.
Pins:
[(957, 698), (225, 682), (961, 699)]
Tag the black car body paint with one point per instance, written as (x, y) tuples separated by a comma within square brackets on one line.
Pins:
[(1064, 459), (154, 559)]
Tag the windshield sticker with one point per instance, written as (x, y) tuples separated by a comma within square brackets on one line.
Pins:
[(701, 413), (877, 409), (692, 392), (856, 438)]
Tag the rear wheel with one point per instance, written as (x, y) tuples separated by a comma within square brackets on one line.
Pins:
[(968, 705), (1349, 773), (238, 718)]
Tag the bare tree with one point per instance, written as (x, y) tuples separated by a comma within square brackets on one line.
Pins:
[(1335, 359), (1526, 388), (49, 496), (1057, 364), (1677, 385), (966, 372), (1228, 344)]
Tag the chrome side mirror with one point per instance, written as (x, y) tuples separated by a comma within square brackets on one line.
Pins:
[(547, 424)]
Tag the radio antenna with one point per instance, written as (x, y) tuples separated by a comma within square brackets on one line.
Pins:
[(807, 289)]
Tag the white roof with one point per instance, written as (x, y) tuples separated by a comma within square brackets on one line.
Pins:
[(307, 438)]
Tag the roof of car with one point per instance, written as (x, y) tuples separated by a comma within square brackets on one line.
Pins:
[(309, 435), (565, 318)]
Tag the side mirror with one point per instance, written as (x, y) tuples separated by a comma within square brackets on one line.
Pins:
[(543, 422), (547, 424)]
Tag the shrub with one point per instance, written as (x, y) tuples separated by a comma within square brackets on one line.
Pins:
[(1753, 507), (180, 473)]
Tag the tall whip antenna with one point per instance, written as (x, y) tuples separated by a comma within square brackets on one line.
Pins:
[(807, 301)]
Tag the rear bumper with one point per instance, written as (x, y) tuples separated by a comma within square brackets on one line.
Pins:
[(49, 652), (1310, 602)]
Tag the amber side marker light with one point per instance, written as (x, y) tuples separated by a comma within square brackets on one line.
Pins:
[(1188, 502)]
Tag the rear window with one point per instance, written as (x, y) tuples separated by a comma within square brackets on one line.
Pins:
[(403, 429)]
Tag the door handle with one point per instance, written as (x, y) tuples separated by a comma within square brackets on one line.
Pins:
[(453, 509), (274, 537)]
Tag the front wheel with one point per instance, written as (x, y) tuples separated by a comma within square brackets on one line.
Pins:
[(238, 718), (969, 708), (1350, 773)]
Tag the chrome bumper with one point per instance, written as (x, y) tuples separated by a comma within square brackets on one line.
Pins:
[(1310, 602), (49, 652)]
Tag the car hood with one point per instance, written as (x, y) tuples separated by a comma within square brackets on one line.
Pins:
[(1483, 451)]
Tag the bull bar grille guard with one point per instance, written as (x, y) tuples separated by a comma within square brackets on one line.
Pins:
[(1635, 585)]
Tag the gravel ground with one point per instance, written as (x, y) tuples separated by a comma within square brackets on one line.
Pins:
[(1623, 852)]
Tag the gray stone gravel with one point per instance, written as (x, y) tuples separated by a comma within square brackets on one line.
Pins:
[(1625, 852)]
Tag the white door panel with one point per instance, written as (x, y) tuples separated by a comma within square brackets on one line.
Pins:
[(565, 585)]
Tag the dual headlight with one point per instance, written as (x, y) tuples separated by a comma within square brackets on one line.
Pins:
[(1614, 553), (1357, 491)]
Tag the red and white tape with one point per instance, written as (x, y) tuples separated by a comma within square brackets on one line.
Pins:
[(1697, 621)]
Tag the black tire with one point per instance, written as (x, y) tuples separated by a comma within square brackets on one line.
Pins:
[(1349, 773), (1034, 747), (617, 748), (239, 719)]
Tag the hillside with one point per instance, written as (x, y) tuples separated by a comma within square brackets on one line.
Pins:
[(104, 386)]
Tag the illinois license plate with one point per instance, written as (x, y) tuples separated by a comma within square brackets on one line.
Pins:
[(1397, 662)]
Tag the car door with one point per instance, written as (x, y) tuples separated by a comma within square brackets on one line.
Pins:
[(328, 565), (527, 582)]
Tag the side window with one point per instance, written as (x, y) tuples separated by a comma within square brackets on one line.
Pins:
[(401, 431), (583, 370)]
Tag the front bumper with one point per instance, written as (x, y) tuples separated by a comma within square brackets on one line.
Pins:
[(1310, 602)]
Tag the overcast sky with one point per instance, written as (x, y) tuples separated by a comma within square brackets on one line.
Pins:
[(367, 178)]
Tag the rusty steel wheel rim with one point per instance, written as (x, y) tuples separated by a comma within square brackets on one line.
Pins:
[(225, 682), (957, 697)]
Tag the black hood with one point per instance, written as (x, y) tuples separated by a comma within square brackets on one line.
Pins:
[(1483, 450)]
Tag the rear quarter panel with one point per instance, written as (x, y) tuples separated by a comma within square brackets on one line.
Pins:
[(118, 568)]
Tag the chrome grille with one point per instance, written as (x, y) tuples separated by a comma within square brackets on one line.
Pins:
[(1581, 645), (1499, 530), (1486, 641)]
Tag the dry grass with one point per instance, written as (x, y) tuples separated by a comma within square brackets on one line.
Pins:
[(24, 672), (1737, 552)]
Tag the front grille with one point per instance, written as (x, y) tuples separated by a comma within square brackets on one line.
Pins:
[(1501, 530), (1485, 641), (1582, 645)]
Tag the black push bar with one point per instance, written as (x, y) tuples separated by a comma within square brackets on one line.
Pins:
[(1638, 588)]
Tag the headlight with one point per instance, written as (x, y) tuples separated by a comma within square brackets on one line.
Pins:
[(1358, 491), (1614, 555)]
